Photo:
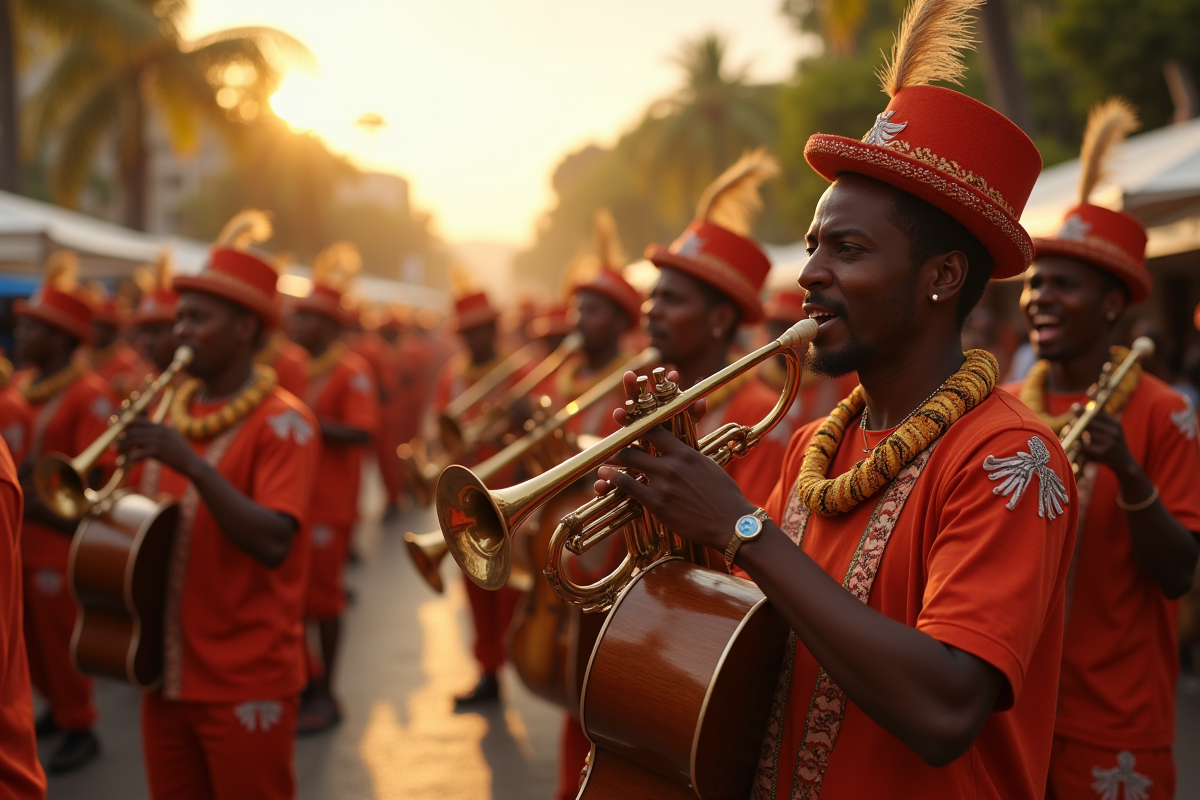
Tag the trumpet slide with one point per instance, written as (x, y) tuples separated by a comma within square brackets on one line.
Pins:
[(1071, 436)]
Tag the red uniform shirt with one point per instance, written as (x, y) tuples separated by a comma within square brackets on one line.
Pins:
[(375, 349), (968, 571), (1120, 653), (345, 394), (16, 422), (66, 423), (757, 473), (123, 368), (291, 367), (20, 773), (234, 626)]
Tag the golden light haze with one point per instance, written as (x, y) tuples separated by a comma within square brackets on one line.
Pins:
[(482, 98)]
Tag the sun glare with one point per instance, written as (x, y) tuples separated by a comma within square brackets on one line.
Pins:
[(297, 101)]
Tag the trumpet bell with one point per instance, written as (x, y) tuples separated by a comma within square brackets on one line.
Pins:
[(427, 553), (61, 487), (476, 524)]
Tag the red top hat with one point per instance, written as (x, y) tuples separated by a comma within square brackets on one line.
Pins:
[(472, 310), (785, 305), (61, 302), (716, 248), (611, 284), (556, 321), (1111, 240), (238, 273), (601, 272), (333, 269), (159, 300)]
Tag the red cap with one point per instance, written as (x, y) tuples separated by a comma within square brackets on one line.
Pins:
[(69, 310), (733, 264), (785, 305), (1111, 240), (327, 301), (555, 321), (156, 306), (956, 154), (239, 276), (472, 310), (611, 284)]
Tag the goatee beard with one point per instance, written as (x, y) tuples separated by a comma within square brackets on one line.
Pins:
[(836, 363)]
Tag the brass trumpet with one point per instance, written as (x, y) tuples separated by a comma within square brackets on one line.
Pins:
[(479, 391), (428, 551), (1071, 436), (61, 482), (478, 522)]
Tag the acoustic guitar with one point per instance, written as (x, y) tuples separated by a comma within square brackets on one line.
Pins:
[(118, 575), (679, 687)]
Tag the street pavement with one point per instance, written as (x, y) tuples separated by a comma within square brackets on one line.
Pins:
[(406, 652)]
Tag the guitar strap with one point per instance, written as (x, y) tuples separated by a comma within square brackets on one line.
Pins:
[(827, 705), (189, 505)]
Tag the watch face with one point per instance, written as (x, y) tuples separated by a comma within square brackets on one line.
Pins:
[(747, 526)]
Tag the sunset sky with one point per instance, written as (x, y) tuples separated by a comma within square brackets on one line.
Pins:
[(483, 97)]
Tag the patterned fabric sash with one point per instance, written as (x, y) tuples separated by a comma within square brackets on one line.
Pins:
[(189, 505), (827, 705)]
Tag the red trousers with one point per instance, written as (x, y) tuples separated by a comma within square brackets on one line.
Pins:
[(50, 613), (1082, 772), (491, 612), (219, 751), (573, 749), (331, 547)]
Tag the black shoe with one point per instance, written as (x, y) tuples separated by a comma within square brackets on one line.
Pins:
[(46, 726), (76, 749), (486, 691), (317, 715)]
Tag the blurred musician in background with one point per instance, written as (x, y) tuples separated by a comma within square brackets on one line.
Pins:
[(154, 318), (71, 406), (16, 417), (1136, 549), (240, 454), (109, 354)]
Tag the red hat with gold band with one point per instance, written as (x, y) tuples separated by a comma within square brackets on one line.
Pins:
[(601, 272), (716, 248), (1110, 240), (159, 300), (472, 307), (238, 272), (785, 305), (61, 302), (332, 271), (951, 151)]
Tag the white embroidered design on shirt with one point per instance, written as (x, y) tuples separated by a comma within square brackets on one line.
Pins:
[(884, 131), (1017, 471), (322, 536), (291, 423), (259, 714), (1074, 228), (1184, 419), (101, 408), (1109, 781), (14, 436), (360, 383), (49, 582)]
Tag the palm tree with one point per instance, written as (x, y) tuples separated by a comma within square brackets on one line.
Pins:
[(102, 88), (694, 135)]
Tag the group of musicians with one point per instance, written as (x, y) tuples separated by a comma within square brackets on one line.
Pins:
[(973, 611)]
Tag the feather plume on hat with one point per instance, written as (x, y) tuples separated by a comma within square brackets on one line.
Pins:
[(156, 277), (1107, 126), (608, 242), (929, 48), (247, 228), (62, 270), (732, 200), (462, 282), (336, 266)]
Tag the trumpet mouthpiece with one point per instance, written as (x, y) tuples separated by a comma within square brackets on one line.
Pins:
[(1144, 345), (799, 334)]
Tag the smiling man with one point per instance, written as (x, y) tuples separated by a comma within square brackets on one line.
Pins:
[(918, 540), (1139, 511)]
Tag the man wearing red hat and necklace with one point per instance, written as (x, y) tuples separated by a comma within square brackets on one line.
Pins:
[(1137, 547), (71, 407), (240, 454), (342, 394), (918, 540)]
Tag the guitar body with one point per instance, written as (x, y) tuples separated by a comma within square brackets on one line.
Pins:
[(118, 575), (679, 688)]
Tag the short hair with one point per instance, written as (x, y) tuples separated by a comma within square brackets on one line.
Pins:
[(714, 297), (930, 232)]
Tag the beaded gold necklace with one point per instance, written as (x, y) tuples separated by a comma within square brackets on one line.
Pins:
[(39, 392), (962, 391), (327, 360), (228, 415), (1033, 391)]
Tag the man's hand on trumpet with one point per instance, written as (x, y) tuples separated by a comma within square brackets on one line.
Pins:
[(145, 439)]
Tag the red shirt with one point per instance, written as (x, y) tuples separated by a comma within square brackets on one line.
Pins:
[(291, 367), (67, 423), (375, 349), (412, 367), (16, 422), (968, 571), (20, 773), (455, 378), (1120, 652), (124, 369), (345, 394), (757, 473), (238, 631)]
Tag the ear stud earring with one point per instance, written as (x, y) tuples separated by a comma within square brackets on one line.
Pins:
[(935, 298)]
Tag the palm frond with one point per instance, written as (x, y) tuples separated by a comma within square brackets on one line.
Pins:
[(933, 36), (120, 24), (732, 200), (1107, 126), (96, 117), (290, 49), (78, 68)]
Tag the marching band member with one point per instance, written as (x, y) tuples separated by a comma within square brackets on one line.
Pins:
[(240, 453), (342, 394), (1136, 549), (154, 318), (109, 354), (709, 284), (918, 540), (413, 354), (16, 417), (365, 340), (71, 406)]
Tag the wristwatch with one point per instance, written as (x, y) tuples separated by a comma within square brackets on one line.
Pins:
[(744, 530)]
